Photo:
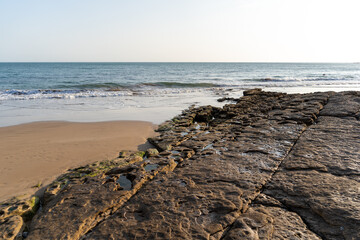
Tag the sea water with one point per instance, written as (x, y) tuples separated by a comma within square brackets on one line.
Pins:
[(154, 92)]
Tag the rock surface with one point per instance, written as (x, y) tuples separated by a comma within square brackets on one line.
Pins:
[(269, 166), (10, 227), (320, 179)]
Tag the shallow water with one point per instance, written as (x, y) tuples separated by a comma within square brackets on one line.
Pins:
[(124, 182), (88, 92)]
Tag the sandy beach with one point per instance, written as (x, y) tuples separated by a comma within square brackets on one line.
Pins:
[(41, 151)]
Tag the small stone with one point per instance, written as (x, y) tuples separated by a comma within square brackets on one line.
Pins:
[(164, 127), (151, 152), (252, 92), (125, 153), (134, 159), (226, 99), (307, 173), (140, 153)]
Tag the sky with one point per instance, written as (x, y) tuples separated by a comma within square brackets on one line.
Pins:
[(179, 31)]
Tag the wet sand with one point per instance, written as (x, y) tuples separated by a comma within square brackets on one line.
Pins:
[(41, 151)]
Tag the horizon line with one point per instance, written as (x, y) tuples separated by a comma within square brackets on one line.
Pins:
[(169, 62)]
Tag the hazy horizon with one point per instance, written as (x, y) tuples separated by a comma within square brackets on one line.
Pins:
[(180, 31), (164, 62)]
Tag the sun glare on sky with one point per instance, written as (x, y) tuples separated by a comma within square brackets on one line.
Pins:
[(180, 30)]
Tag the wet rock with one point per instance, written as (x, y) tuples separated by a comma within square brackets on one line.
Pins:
[(11, 227), (252, 91), (205, 114), (226, 99), (205, 194)]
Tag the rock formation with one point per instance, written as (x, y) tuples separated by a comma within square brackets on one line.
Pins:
[(269, 166)]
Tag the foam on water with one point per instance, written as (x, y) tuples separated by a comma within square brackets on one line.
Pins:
[(149, 91), (58, 94)]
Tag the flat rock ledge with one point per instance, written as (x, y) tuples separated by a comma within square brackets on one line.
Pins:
[(267, 166)]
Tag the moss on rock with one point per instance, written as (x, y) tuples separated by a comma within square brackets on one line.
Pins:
[(34, 204)]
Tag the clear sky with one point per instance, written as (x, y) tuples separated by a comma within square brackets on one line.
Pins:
[(180, 30)]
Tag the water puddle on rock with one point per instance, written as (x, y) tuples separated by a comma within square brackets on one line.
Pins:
[(124, 182), (151, 167), (210, 146), (182, 183), (175, 158)]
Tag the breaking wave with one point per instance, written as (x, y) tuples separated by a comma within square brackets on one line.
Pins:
[(182, 84)]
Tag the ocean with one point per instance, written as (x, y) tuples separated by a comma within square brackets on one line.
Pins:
[(88, 92)]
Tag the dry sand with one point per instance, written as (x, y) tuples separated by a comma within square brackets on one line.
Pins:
[(41, 151)]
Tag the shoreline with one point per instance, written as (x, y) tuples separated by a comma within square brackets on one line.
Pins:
[(34, 154), (267, 159)]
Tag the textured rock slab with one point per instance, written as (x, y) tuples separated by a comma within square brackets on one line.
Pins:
[(186, 211), (207, 192), (329, 204), (344, 104), (269, 223), (25, 206), (332, 145), (320, 178), (86, 203), (267, 167)]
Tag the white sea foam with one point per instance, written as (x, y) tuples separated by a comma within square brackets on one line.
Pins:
[(119, 91), (163, 91), (58, 94)]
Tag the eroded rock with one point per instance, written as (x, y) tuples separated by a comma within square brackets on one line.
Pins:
[(206, 193), (320, 178), (266, 167), (269, 223), (11, 227)]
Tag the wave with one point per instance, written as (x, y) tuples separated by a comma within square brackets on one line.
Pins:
[(272, 79), (111, 86), (106, 85), (58, 94), (181, 85), (90, 93), (324, 78), (109, 89)]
